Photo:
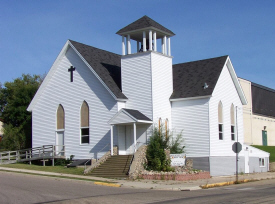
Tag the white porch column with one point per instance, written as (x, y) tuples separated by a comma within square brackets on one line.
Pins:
[(112, 140), (162, 45), (137, 46), (135, 137), (123, 46), (144, 41), (128, 45), (165, 45), (155, 41), (169, 46), (150, 40)]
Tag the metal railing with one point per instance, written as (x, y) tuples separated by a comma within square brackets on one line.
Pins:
[(103, 148)]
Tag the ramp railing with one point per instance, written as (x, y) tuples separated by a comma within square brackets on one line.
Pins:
[(37, 153)]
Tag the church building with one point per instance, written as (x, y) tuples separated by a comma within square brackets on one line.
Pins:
[(92, 100)]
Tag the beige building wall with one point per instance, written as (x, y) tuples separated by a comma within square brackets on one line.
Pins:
[(259, 122), (247, 111), (255, 124)]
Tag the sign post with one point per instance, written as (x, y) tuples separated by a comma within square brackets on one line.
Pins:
[(236, 147)]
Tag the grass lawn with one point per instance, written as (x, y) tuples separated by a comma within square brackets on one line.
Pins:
[(56, 169), (270, 149)]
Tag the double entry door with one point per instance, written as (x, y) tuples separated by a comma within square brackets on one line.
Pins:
[(125, 139)]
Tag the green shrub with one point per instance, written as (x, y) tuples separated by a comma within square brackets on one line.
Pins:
[(175, 145), (158, 143)]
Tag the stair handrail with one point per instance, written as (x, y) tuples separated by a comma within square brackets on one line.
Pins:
[(85, 164), (103, 148)]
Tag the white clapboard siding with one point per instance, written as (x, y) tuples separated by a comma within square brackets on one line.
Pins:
[(225, 92), (120, 105), (162, 86), (71, 95), (136, 82), (191, 117)]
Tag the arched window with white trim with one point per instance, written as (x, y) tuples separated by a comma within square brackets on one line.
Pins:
[(60, 118), (220, 118), (84, 123), (60, 129), (232, 115)]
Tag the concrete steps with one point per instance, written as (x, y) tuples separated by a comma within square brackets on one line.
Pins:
[(114, 167)]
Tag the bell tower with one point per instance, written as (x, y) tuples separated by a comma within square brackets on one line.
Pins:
[(146, 32), (146, 73)]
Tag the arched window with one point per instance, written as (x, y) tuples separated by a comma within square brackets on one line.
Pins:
[(84, 123), (232, 115), (60, 118), (220, 115)]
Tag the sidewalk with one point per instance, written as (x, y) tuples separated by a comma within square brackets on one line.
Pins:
[(156, 184)]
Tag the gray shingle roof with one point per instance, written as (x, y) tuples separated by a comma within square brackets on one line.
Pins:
[(189, 78), (107, 65), (263, 100), (137, 115), (144, 22)]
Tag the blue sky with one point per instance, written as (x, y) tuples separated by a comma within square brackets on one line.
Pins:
[(32, 33)]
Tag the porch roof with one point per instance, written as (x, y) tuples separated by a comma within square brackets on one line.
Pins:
[(125, 116)]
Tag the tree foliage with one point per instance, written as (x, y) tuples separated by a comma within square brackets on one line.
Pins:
[(160, 141), (15, 97)]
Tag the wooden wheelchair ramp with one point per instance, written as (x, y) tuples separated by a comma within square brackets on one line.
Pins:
[(43, 153)]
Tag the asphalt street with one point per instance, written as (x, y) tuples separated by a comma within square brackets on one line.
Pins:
[(24, 188)]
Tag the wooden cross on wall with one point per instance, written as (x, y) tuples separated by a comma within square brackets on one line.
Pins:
[(71, 70)]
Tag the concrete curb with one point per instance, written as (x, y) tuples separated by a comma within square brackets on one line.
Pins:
[(107, 184), (224, 183)]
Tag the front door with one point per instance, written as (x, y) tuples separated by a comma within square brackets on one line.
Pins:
[(60, 143), (121, 139), (264, 136), (129, 143)]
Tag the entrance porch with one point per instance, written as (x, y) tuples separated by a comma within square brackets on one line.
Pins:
[(132, 128)]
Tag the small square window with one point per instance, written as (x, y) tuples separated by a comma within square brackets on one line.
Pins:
[(232, 132), (221, 131), (85, 138), (261, 162)]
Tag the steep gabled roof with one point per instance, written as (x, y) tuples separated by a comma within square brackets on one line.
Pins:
[(144, 22), (189, 78), (107, 65), (263, 100)]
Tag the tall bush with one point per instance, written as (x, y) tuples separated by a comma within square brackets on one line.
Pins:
[(160, 141)]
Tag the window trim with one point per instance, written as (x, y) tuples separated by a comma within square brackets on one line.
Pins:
[(81, 136), (232, 122), (233, 133), (220, 121), (261, 161), (84, 127), (220, 132)]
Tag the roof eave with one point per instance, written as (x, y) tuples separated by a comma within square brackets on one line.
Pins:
[(87, 64), (190, 98), (236, 81), (48, 77), (146, 28)]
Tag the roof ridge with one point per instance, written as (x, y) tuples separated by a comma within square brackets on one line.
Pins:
[(142, 23), (202, 60), (94, 47), (263, 87)]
